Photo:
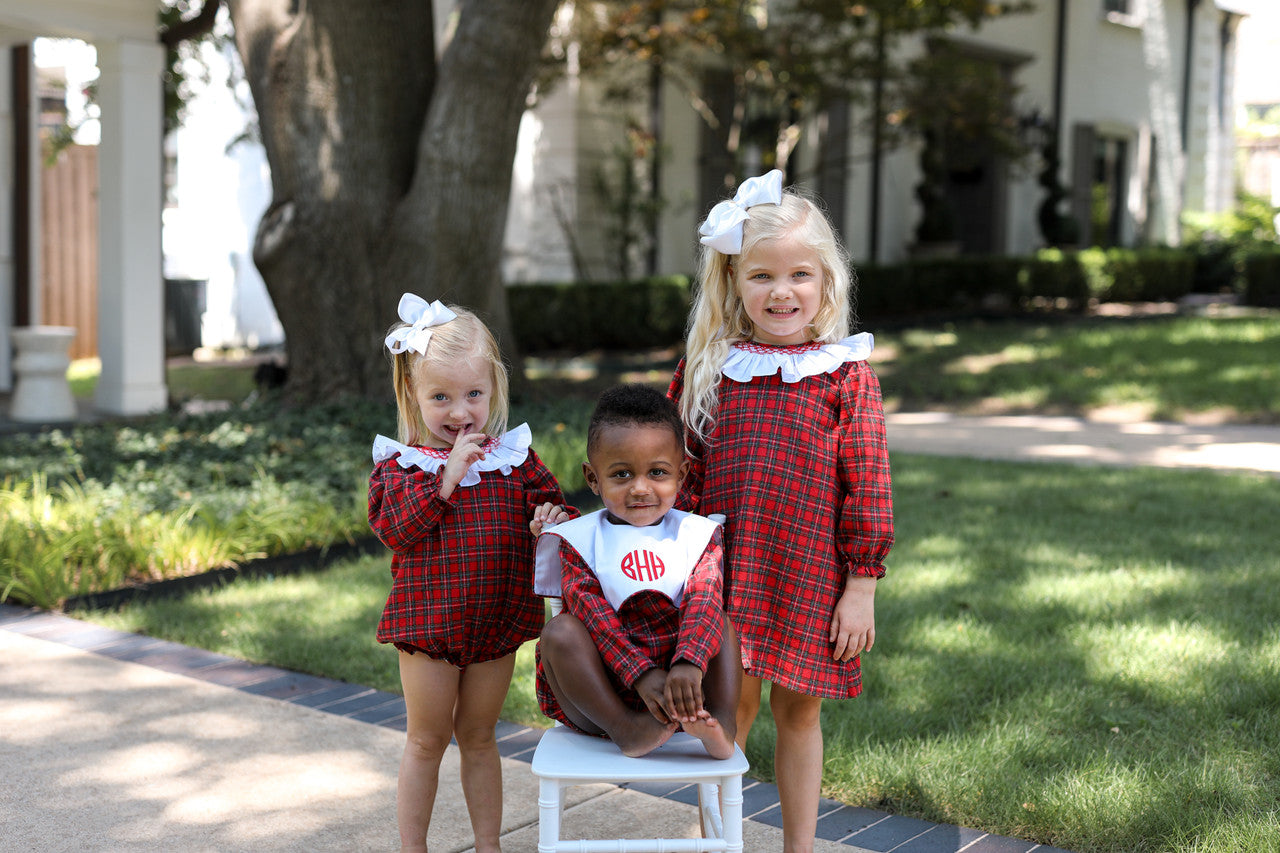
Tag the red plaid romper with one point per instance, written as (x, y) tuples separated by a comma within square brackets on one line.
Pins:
[(461, 568), (649, 631), (801, 470)]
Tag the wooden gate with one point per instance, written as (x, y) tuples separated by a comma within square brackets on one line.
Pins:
[(69, 246)]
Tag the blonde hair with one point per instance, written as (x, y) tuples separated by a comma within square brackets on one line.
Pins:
[(719, 319), (461, 339)]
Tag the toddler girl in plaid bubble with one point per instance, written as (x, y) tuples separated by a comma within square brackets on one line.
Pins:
[(454, 498), (786, 437)]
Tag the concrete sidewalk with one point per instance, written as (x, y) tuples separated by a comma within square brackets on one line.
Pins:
[(119, 742), (1033, 438)]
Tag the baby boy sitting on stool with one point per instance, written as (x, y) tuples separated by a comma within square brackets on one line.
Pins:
[(643, 646)]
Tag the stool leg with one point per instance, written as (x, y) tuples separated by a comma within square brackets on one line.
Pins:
[(731, 800), (709, 811), (549, 794)]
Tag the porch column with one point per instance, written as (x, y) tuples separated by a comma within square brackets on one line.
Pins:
[(130, 278), (9, 57)]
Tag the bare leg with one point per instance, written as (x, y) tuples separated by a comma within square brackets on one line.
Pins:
[(577, 677), (798, 765), (483, 688), (721, 687), (748, 708), (430, 690)]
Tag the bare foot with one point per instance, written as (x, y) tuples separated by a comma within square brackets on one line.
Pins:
[(642, 735), (707, 729)]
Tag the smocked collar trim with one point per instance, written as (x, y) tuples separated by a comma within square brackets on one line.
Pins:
[(748, 359), (500, 454)]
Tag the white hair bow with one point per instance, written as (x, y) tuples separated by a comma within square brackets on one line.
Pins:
[(420, 316), (722, 229)]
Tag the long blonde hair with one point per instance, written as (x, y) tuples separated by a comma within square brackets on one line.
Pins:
[(461, 339), (719, 319)]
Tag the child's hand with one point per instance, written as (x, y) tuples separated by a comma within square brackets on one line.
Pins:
[(547, 515), (651, 686), (682, 694), (467, 450), (853, 626)]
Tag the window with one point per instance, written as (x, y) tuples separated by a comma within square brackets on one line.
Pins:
[(1107, 197), (1126, 13)]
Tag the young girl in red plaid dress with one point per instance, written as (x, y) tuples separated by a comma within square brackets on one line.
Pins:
[(454, 499), (787, 440)]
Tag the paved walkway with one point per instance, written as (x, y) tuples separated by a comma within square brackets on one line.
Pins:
[(118, 742), (1077, 440)]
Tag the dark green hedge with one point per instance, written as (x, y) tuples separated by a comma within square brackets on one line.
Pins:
[(1139, 275), (968, 285), (598, 315), (652, 312), (1262, 279)]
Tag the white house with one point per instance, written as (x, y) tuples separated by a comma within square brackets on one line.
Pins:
[(1140, 91)]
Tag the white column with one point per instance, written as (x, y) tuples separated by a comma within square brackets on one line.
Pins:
[(130, 281), (7, 217)]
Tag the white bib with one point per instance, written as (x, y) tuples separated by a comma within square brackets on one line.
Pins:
[(626, 559)]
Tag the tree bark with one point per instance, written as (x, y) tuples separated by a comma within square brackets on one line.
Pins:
[(390, 170)]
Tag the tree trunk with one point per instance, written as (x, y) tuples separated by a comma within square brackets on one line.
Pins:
[(390, 170)]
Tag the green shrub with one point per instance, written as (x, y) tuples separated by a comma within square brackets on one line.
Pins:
[(1262, 279), (1138, 275), (1054, 275), (596, 315), (880, 291), (102, 506)]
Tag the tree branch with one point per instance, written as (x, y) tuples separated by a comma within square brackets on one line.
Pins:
[(193, 27)]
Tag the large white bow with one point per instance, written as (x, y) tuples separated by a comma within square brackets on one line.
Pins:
[(722, 229), (420, 316)]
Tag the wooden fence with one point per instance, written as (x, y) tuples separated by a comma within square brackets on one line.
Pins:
[(69, 250)]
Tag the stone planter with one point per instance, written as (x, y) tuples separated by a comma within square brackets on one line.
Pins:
[(41, 393)]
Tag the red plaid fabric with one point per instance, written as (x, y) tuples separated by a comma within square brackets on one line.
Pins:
[(801, 471), (462, 568), (649, 631)]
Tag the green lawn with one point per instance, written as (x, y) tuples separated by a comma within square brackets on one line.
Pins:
[(1084, 657), (1162, 368), (230, 381)]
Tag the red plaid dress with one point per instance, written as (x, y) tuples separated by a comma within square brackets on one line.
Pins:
[(649, 631), (801, 471), (461, 568)]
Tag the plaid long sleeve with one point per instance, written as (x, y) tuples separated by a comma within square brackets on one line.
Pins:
[(864, 528), (541, 486), (690, 493), (405, 506), (702, 609)]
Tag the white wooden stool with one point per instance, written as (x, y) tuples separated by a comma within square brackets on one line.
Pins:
[(565, 758)]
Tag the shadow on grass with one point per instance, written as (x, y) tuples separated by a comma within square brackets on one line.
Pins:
[(1168, 368), (1077, 656)]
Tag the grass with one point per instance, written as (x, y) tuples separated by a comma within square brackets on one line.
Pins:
[(1157, 368), (1083, 657), (230, 381)]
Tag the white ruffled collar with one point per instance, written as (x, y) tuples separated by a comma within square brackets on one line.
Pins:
[(499, 454), (748, 359)]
